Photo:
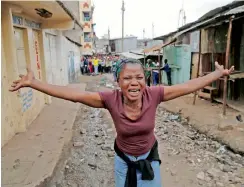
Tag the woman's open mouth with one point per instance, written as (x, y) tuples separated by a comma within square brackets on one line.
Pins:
[(134, 92)]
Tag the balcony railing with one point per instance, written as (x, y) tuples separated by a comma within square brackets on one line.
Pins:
[(87, 18), (87, 39)]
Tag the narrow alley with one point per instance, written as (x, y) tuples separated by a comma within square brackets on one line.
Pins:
[(189, 159), (178, 63)]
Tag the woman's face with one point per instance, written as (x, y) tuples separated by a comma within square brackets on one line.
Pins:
[(132, 81)]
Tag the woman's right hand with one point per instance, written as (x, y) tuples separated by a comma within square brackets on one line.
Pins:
[(24, 81), (91, 99)]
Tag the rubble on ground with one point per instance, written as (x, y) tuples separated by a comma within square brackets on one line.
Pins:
[(225, 168)]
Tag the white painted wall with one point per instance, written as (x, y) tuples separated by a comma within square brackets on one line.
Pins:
[(59, 73), (71, 47), (61, 57)]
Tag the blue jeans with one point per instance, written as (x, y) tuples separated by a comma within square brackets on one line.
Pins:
[(120, 171), (114, 74), (155, 78)]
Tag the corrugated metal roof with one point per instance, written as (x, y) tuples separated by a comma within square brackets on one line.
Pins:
[(194, 27), (212, 20), (222, 9), (158, 47), (140, 52), (137, 51), (237, 75), (210, 17), (126, 37), (132, 55), (164, 36), (234, 11)]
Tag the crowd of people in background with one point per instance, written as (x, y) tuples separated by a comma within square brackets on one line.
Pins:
[(99, 64)]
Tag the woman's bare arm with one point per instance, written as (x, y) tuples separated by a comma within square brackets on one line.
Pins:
[(88, 98), (171, 92)]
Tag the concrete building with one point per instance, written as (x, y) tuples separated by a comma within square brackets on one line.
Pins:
[(46, 36), (130, 43), (102, 46), (86, 18), (147, 43)]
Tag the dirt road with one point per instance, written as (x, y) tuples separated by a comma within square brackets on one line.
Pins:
[(188, 158)]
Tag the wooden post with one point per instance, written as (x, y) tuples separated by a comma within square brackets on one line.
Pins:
[(227, 53), (198, 64), (159, 71)]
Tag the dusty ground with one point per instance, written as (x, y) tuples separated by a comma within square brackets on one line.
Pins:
[(207, 118), (188, 158), (29, 158)]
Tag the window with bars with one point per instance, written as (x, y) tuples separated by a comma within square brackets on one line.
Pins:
[(87, 37), (86, 16)]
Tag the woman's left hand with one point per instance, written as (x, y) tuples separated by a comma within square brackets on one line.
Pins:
[(222, 71), (171, 92)]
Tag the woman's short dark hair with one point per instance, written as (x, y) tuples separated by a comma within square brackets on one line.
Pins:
[(124, 62)]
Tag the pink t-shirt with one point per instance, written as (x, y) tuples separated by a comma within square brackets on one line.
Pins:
[(134, 137)]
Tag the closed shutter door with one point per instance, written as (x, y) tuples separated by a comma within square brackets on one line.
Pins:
[(25, 93), (55, 69), (48, 65), (52, 66), (20, 50)]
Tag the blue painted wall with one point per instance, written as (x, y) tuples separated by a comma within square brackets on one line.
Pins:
[(179, 59)]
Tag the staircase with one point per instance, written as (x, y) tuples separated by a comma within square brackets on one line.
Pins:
[(208, 93)]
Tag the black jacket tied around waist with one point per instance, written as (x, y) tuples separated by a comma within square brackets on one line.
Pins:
[(144, 166)]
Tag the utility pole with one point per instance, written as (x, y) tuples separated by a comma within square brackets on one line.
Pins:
[(123, 10), (144, 47), (108, 33), (182, 16), (108, 40), (152, 30), (227, 55)]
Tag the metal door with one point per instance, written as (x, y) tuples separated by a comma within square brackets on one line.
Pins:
[(20, 50), (53, 74), (26, 94)]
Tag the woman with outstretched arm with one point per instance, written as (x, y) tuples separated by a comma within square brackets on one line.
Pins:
[(133, 110)]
